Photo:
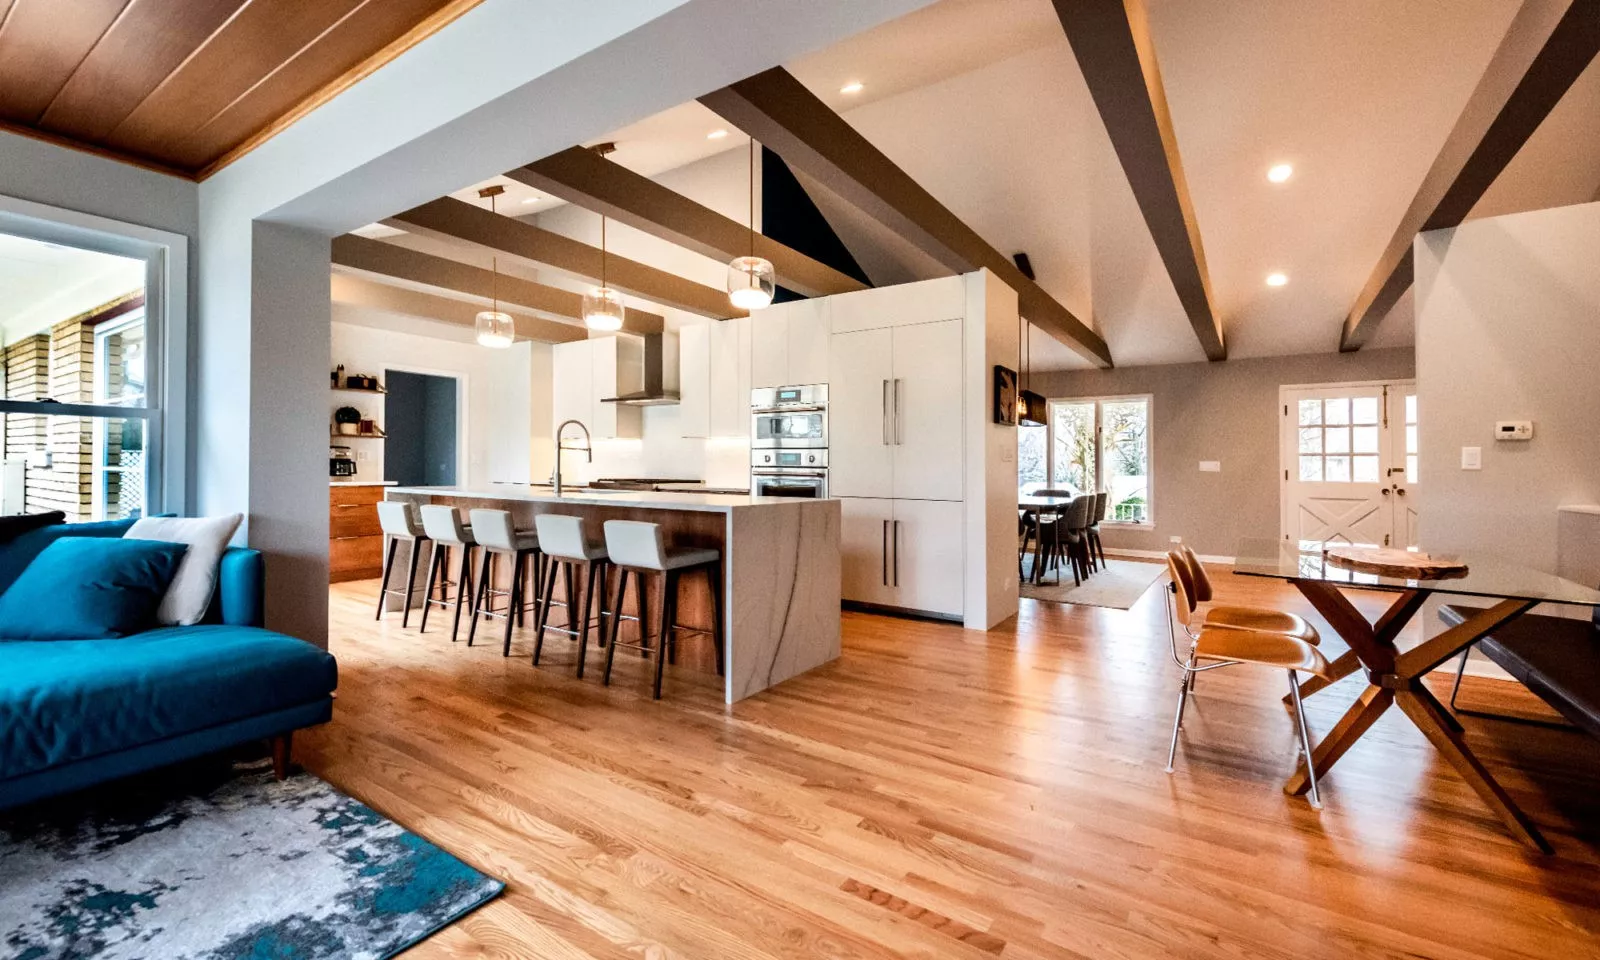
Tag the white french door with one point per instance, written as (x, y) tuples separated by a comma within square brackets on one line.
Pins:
[(1349, 463)]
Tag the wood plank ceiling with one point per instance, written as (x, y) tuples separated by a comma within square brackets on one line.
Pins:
[(186, 86)]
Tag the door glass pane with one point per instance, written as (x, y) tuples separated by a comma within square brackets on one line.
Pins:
[(1337, 470), (1337, 410), (1337, 440), (1073, 428), (1030, 459), (1310, 440), (1411, 408), (1126, 426), (1310, 411), (1411, 468), (1411, 438), (117, 374), (1365, 439), (1364, 410), (1366, 469), (1311, 469)]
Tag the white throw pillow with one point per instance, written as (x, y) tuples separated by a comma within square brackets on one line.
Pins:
[(189, 595)]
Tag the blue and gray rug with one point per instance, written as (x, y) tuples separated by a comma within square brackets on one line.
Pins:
[(255, 868)]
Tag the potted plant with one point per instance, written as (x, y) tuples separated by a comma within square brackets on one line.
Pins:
[(346, 421)]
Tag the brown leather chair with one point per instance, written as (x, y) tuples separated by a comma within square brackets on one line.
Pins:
[(1224, 646), (1230, 615)]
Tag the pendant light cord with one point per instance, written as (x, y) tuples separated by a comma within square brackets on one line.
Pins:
[(494, 264), (752, 196), (602, 251)]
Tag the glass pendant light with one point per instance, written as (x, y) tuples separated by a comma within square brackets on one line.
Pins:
[(495, 328), (751, 280), (602, 306)]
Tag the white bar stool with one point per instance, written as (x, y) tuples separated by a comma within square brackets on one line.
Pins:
[(443, 525), (399, 522), (564, 540), (637, 548), (497, 536)]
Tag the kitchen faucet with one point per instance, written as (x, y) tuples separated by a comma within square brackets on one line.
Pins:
[(588, 448)]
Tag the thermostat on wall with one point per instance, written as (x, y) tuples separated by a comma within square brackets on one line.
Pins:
[(1513, 430)]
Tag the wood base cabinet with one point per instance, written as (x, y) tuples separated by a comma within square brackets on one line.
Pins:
[(906, 554), (355, 540)]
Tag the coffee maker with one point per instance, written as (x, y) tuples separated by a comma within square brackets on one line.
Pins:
[(340, 463)]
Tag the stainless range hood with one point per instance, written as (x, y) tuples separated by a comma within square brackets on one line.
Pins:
[(654, 392)]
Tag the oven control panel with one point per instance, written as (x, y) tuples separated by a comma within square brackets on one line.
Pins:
[(788, 458)]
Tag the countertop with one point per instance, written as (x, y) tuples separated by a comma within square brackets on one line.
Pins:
[(702, 502), (362, 483)]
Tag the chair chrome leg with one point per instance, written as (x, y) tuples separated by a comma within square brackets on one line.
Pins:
[(1177, 720), (1305, 741)]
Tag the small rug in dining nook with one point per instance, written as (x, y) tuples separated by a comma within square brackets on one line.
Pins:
[(1117, 584), (254, 868)]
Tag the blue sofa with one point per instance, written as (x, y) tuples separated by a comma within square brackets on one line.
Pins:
[(79, 712)]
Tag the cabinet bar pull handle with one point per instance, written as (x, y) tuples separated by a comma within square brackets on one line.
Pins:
[(887, 437), (899, 428), (897, 553), (886, 553)]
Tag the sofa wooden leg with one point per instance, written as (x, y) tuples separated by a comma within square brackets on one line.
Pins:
[(282, 744)]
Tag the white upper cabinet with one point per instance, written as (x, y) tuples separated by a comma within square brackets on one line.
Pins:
[(694, 380), (789, 344), (729, 375), (860, 450), (926, 408), (944, 298), (584, 371)]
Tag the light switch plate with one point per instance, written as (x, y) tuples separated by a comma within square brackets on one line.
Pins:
[(1472, 458), (1210, 466)]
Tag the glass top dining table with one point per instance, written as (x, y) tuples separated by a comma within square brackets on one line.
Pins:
[(1395, 676), (1485, 576)]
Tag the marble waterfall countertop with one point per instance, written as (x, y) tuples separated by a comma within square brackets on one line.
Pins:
[(664, 500)]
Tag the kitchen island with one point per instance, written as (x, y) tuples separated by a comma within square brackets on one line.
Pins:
[(780, 568)]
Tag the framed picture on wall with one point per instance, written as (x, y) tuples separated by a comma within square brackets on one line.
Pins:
[(1005, 395)]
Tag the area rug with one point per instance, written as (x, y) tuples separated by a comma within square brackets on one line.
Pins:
[(254, 868), (1118, 584)]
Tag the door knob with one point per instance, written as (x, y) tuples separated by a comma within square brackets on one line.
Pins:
[(1401, 491), (1385, 491)]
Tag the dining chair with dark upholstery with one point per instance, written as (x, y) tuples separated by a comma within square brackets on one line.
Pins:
[(1102, 499)]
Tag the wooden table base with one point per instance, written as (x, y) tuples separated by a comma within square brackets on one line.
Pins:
[(1395, 678)]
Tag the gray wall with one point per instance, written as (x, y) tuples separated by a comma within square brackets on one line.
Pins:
[(1508, 328), (1217, 411)]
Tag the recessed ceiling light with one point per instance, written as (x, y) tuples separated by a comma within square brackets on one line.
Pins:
[(1280, 172), (853, 87), (716, 134), (1277, 279)]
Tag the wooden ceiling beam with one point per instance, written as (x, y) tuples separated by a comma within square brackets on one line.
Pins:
[(1112, 44), (777, 110), (386, 259), (458, 221), (1549, 44), (583, 177), (360, 292)]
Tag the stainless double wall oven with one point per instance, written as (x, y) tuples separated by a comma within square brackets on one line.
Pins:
[(789, 441)]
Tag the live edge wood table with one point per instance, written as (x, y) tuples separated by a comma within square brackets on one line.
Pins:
[(780, 568), (1394, 677)]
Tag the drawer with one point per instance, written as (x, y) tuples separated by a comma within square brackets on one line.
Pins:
[(341, 496), (353, 520), (355, 558)]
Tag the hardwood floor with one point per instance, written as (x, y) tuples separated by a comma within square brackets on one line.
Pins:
[(944, 793)]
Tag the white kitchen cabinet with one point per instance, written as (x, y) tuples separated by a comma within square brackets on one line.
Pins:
[(729, 351), (789, 344), (864, 550), (860, 450), (694, 380), (902, 553), (927, 301), (925, 559), (584, 371), (895, 413), (926, 408)]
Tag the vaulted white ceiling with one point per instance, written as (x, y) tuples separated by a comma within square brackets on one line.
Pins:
[(982, 102)]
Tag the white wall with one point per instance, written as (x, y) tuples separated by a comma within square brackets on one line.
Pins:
[(1508, 328), (495, 405), (991, 456)]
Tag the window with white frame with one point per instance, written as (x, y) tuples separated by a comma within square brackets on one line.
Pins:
[(1093, 443), (82, 422)]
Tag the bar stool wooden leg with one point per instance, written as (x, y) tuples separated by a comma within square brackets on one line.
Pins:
[(411, 579), (388, 568), (434, 555), (668, 602), (714, 575), (514, 600), (463, 591), (583, 628), (616, 621), (478, 596)]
